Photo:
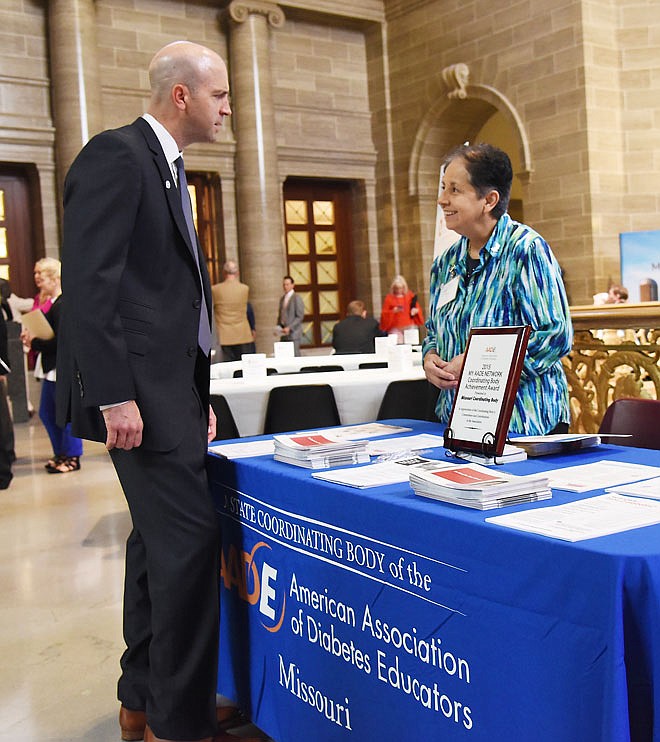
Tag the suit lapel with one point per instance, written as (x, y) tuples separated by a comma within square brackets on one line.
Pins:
[(174, 202), (167, 180)]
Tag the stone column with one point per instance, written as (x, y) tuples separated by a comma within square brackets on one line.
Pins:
[(262, 256), (76, 95)]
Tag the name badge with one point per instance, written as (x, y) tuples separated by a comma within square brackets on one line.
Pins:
[(448, 292)]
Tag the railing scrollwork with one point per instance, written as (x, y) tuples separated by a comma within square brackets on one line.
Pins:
[(615, 354)]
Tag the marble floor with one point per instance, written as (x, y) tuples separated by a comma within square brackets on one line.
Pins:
[(61, 571)]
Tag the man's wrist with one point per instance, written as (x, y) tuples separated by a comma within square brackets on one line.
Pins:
[(114, 404)]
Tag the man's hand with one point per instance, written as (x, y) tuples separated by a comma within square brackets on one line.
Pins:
[(213, 424), (124, 425), (443, 374)]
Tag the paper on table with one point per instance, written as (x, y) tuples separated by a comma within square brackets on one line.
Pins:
[(599, 475), (590, 518), (405, 443), (365, 430), (374, 475), (37, 324), (243, 450), (645, 488)]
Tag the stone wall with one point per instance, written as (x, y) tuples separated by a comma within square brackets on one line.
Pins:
[(360, 98), (583, 78), (26, 127)]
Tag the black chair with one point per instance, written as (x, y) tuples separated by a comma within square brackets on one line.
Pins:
[(373, 364), (639, 417), (238, 374), (319, 369), (226, 425), (300, 407), (414, 399)]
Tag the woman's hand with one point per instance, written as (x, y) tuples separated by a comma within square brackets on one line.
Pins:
[(26, 338), (443, 374)]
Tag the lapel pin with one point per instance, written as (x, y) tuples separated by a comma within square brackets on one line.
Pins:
[(167, 184)]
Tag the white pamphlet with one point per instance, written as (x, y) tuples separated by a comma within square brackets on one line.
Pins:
[(243, 450), (599, 475), (405, 443), (590, 518), (646, 488), (375, 475)]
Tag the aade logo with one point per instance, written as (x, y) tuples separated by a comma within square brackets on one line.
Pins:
[(256, 582)]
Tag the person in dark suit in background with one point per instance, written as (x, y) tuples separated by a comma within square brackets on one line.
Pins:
[(356, 333), (249, 311), (7, 455), (290, 315), (133, 371)]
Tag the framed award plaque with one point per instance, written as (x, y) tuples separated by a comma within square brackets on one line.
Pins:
[(487, 387)]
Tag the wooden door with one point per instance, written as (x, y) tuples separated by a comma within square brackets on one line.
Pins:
[(317, 224), (21, 226), (206, 197)]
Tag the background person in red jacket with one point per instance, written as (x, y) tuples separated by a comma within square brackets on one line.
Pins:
[(401, 309)]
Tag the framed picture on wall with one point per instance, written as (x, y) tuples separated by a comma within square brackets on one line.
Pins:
[(640, 264)]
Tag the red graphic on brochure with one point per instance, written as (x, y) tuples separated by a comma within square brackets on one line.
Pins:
[(311, 440), (466, 475)]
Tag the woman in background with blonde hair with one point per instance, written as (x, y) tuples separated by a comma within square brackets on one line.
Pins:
[(46, 271), (67, 449), (401, 309)]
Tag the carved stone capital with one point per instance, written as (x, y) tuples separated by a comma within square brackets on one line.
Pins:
[(456, 78), (239, 10)]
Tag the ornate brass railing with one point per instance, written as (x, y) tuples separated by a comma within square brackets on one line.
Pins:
[(616, 353)]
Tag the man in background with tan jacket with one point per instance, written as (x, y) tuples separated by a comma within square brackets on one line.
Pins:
[(230, 311)]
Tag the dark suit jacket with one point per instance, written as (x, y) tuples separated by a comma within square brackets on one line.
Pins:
[(48, 348), (293, 315), (355, 335), (131, 290)]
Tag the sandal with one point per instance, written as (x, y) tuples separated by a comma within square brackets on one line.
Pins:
[(67, 464), (52, 463)]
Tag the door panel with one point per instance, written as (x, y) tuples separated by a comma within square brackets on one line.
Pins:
[(317, 223), (21, 226)]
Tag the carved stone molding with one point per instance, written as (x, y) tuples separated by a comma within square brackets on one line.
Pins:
[(240, 10), (456, 78)]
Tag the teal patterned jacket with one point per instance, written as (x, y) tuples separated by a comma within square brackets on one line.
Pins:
[(517, 282)]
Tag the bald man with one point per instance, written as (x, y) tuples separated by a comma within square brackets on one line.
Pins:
[(133, 372)]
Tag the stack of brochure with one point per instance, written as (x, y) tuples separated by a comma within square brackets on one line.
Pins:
[(319, 450), (475, 486), (542, 445)]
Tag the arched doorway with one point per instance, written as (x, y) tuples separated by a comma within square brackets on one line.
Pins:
[(468, 113)]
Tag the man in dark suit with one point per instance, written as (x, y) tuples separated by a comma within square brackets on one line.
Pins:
[(356, 333), (133, 371), (290, 315)]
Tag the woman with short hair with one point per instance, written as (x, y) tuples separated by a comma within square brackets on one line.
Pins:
[(499, 273)]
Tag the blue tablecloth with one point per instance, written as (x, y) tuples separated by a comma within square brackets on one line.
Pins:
[(378, 615)]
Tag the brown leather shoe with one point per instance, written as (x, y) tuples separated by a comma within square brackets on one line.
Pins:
[(149, 736), (229, 717), (132, 724)]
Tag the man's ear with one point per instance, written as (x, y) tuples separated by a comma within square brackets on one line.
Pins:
[(179, 93)]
